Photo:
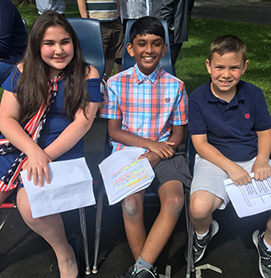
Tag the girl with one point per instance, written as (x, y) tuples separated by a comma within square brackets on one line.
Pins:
[(53, 57)]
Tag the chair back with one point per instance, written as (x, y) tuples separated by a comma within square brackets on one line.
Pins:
[(25, 25), (128, 61), (88, 31)]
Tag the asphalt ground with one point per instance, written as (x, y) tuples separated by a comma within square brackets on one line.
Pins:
[(23, 254)]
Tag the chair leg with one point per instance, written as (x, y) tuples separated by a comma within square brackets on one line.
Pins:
[(98, 229), (82, 215), (190, 232)]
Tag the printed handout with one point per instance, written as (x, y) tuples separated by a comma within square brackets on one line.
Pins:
[(250, 199), (124, 174), (70, 188)]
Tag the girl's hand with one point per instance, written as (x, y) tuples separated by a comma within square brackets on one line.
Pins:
[(238, 175), (261, 169), (163, 149), (37, 165)]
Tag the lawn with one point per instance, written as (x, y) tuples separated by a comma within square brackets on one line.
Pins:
[(190, 66)]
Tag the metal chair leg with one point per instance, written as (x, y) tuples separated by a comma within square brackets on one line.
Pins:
[(82, 216), (190, 232), (98, 229)]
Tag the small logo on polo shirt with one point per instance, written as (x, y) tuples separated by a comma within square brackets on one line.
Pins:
[(247, 116), (167, 100)]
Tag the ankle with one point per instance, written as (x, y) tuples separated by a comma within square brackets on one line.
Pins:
[(67, 265), (141, 263)]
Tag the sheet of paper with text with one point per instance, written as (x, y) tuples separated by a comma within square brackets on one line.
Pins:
[(124, 174), (251, 198)]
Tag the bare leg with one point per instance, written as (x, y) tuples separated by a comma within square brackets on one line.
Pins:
[(51, 228), (132, 209), (202, 205), (172, 200)]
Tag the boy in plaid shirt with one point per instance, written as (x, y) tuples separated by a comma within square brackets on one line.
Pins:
[(147, 108)]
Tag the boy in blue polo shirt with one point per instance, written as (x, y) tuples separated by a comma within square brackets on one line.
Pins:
[(230, 128)]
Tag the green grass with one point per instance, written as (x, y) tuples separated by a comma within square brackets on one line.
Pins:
[(190, 66)]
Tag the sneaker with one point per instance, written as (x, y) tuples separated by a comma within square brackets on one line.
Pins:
[(264, 255), (142, 273), (147, 273), (199, 246), (128, 273)]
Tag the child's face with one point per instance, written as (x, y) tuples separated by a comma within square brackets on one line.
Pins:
[(147, 50), (226, 71), (56, 49)]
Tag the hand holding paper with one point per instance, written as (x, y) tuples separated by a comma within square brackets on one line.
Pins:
[(70, 188), (251, 198)]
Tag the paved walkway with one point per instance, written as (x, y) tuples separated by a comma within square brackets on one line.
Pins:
[(253, 11)]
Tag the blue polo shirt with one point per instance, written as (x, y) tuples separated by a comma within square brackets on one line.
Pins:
[(230, 127)]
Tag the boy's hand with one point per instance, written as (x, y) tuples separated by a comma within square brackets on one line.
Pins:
[(153, 158), (238, 175), (163, 149), (261, 169)]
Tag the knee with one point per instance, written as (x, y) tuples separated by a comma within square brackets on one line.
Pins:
[(199, 208), (174, 204), (26, 214), (131, 207), (25, 210)]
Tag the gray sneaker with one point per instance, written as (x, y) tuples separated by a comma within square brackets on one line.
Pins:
[(264, 255), (199, 246)]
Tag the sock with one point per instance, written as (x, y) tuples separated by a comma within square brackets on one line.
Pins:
[(199, 237), (140, 263), (267, 245)]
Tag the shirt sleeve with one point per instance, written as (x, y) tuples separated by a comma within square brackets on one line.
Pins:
[(262, 115), (180, 110), (93, 88), (197, 124), (110, 107), (10, 84)]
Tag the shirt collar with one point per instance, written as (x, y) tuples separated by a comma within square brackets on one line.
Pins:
[(239, 96), (152, 77)]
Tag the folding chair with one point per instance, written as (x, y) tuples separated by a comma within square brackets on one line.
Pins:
[(89, 34), (88, 31), (25, 25), (128, 61)]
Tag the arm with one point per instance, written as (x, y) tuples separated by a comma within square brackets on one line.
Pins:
[(82, 8), (237, 174), (118, 7), (176, 137), (9, 125), (163, 149), (261, 167)]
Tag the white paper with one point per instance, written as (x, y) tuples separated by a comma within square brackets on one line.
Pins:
[(71, 187), (124, 174), (250, 199)]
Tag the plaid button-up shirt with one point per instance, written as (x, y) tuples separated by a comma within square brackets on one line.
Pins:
[(147, 105)]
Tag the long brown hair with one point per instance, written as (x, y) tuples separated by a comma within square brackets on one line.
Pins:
[(32, 84)]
